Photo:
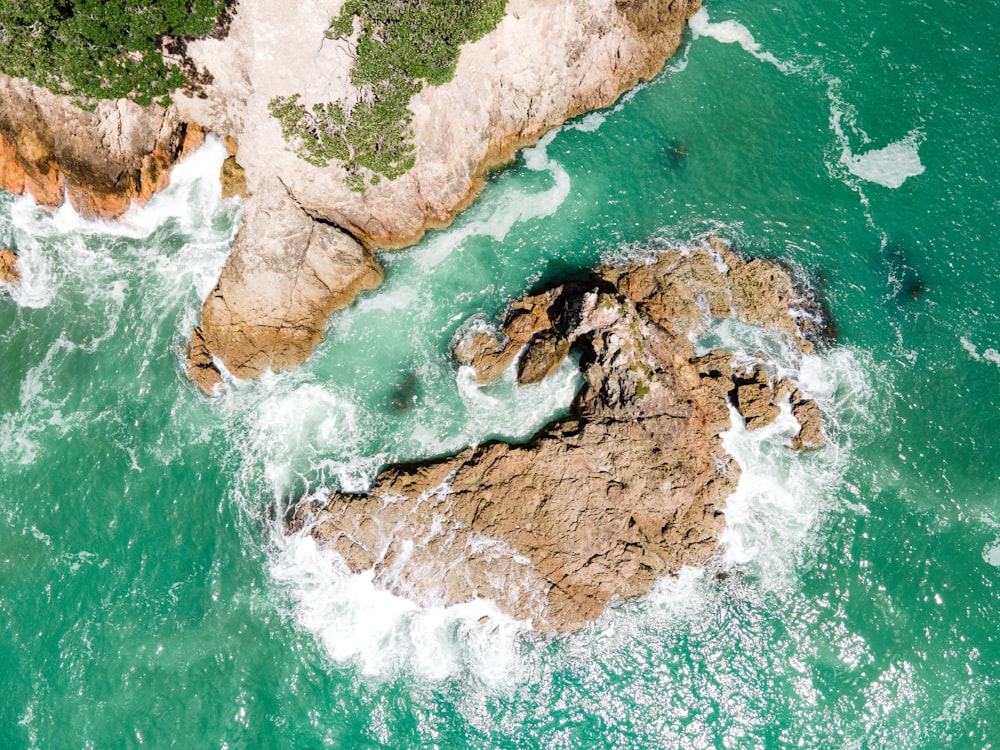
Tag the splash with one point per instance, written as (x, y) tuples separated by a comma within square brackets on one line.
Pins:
[(773, 516), (383, 634), (733, 32), (61, 248), (503, 209)]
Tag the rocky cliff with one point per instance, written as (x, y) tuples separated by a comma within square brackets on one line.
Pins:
[(101, 160), (306, 247), (630, 487)]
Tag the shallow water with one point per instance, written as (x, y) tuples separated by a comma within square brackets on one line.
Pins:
[(147, 597)]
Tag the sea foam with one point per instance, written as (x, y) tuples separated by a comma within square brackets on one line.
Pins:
[(889, 166), (502, 209)]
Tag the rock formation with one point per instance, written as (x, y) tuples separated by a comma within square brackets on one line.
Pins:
[(544, 63), (101, 161), (8, 267), (630, 487)]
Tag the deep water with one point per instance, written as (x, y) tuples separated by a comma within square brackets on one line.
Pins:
[(147, 597)]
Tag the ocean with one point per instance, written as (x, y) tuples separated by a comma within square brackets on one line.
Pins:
[(149, 598)]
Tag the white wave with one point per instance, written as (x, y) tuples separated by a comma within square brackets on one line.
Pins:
[(733, 32), (772, 516), (970, 348), (989, 354), (399, 298), (61, 247), (589, 123), (297, 428), (511, 411), (991, 553), (382, 634), (890, 166), (504, 208)]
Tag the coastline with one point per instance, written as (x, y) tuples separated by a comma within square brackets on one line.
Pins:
[(304, 222)]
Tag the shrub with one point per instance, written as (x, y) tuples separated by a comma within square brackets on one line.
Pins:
[(100, 49), (402, 45)]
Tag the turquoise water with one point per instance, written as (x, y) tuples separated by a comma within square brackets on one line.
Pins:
[(148, 599)]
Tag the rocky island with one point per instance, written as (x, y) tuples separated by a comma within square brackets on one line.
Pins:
[(631, 486), (351, 129)]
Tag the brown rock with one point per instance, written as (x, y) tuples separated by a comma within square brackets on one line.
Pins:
[(754, 399), (596, 505), (233, 179), (270, 307), (545, 352), (201, 368), (811, 435), (8, 267)]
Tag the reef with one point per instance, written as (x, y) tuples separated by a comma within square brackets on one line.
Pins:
[(631, 486)]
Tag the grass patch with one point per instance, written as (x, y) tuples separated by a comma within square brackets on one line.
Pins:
[(402, 46)]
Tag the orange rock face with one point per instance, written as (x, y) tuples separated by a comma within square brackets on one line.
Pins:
[(8, 267), (101, 161)]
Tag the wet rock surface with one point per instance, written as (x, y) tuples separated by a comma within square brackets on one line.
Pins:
[(599, 504), (8, 267), (101, 160)]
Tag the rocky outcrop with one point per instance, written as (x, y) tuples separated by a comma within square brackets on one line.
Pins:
[(544, 63), (287, 272), (630, 487), (8, 267), (101, 160)]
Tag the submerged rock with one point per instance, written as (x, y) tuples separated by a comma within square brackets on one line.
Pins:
[(8, 267), (599, 504)]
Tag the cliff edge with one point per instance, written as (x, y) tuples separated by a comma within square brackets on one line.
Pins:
[(305, 249)]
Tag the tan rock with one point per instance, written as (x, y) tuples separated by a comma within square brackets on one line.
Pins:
[(811, 435), (597, 505), (233, 179), (8, 267), (286, 274), (201, 367)]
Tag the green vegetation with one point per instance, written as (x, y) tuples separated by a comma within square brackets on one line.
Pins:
[(100, 49), (403, 45)]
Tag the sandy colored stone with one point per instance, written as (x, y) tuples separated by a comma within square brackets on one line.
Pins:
[(233, 179), (201, 367), (8, 267), (811, 435), (279, 286), (630, 487)]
